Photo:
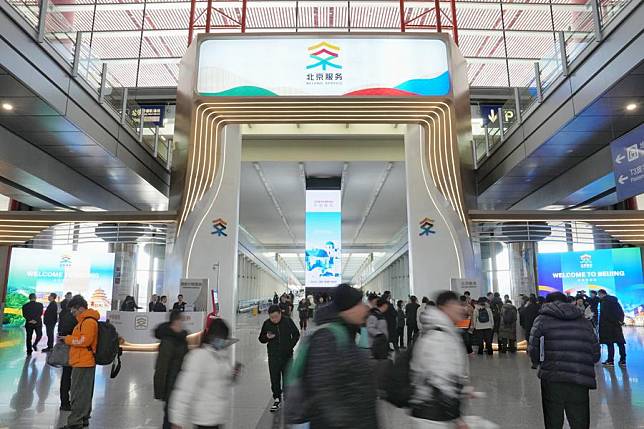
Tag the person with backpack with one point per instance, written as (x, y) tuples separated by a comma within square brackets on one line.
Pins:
[(378, 330), (508, 328), (172, 350), (339, 388), (496, 305), (611, 319), (400, 324), (66, 324), (82, 345), (280, 335), (439, 369), (483, 326), (204, 387)]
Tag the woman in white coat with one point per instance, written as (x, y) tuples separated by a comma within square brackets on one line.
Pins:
[(203, 390)]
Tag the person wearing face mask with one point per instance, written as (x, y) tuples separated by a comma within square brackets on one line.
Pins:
[(203, 390), (172, 350)]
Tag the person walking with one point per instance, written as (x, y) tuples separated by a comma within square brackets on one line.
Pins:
[(32, 312), (482, 326), (338, 375), (172, 350), (411, 311), (66, 324), (439, 368), (611, 319), (204, 387), (280, 335), (378, 330), (564, 346), (303, 311), (159, 306), (400, 324), (508, 328), (50, 319), (82, 346)]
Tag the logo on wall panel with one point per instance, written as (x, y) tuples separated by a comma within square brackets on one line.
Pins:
[(141, 322), (219, 227), (586, 261), (65, 261), (426, 227), (324, 54)]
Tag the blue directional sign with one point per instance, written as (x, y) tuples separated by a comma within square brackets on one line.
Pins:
[(628, 163), (490, 114)]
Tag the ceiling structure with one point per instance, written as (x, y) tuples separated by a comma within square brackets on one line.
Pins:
[(374, 208)]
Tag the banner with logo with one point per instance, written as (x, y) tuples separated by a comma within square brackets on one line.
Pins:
[(42, 271), (329, 66), (323, 256), (618, 271)]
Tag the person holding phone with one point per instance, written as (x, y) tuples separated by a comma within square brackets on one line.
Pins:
[(280, 335)]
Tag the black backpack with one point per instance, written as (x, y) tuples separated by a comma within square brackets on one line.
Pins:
[(483, 316), (108, 349), (398, 385)]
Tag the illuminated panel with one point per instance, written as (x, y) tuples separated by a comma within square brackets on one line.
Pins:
[(331, 66), (323, 257)]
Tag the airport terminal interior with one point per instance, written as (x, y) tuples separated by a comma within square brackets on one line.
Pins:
[(187, 166)]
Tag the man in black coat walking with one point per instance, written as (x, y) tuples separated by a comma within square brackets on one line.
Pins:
[(611, 319), (50, 319), (280, 335), (32, 312), (564, 345)]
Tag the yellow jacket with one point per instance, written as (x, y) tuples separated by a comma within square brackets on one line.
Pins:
[(82, 342)]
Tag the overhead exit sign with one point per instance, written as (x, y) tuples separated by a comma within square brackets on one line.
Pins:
[(628, 163)]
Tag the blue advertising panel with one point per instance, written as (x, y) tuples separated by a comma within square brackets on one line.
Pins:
[(618, 271), (323, 256), (43, 271), (628, 163)]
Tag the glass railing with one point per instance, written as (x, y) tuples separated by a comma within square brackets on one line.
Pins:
[(564, 49), (74, 48)]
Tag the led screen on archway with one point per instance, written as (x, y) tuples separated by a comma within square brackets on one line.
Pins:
[(323, 256), (618, 271)]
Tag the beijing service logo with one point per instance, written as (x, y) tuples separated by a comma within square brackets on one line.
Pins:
[(586, 261), (324, 67), (65, 261)]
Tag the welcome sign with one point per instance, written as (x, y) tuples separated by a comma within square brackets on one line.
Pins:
[(327, 66)]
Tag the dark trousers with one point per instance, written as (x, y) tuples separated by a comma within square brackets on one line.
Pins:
[(304, 323), (557, 398), (65, 385), (467, 340), (507, 345), (50, 335), (484, 336), (82, 393), (30, 333), (611, 352), (277, 369), (412, 330), (400, 336)]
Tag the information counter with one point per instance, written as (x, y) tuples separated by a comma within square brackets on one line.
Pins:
[(137, 328)]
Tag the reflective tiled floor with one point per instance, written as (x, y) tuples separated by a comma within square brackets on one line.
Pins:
[(29, 390)]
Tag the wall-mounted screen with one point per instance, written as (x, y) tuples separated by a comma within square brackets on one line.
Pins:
[(42, 271), (323, 256), (618, 271)]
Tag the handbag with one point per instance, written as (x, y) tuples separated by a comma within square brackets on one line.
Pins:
[(59, 355)]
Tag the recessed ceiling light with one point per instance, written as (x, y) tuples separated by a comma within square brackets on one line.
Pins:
[(631, 106), (7, 106)]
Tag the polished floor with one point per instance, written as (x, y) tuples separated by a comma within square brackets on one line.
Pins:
[(29, 390)]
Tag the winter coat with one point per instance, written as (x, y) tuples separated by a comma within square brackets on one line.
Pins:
[(529, 313), (390, 316), (66, 322), (569, 350), (508, 331), (179, 306), (439, 369), (303, 310), (477, 325), (339, 379), (411, 310), (159, 307), (51, 314), (172, 350), (203, 389), (400, 318), (32, 311), (83, 340), (376, 325), (286, 337), (611, 318)]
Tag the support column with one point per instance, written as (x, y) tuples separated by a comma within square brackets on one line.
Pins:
[(522, 270), (124, 273)]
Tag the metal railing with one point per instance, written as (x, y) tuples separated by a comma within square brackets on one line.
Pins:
[(566, 47), (74, 48)]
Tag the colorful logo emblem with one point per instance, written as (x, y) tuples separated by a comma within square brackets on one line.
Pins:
[(426, 227), (219, 227), (324, 54), (586, 261), (65, 261)]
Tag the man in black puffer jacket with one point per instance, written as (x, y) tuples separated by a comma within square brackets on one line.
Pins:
[(564, 345)]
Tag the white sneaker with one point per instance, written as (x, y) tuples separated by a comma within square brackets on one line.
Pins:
[(276, 405)]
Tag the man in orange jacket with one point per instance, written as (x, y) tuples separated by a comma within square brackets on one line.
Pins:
[(82, 346)]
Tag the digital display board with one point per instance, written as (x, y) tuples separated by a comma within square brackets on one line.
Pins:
[(618, 271), (42, 271), (323, 256), (333, 65)]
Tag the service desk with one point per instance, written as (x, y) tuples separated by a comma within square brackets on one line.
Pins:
[(137, 328)]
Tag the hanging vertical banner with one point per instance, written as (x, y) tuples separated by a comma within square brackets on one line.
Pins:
[(323, 238)]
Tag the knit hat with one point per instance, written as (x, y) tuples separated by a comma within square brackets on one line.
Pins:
[(345, 297)]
